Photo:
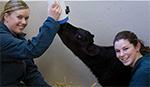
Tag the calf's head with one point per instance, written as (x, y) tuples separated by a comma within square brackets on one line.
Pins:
[(76, 38)]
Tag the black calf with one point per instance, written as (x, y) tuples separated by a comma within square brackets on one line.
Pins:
[(101, 60)]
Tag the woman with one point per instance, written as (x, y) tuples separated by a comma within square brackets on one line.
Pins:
[(131, 52), (17, 67)]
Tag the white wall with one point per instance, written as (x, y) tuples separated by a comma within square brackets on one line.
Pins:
[(104, 19)]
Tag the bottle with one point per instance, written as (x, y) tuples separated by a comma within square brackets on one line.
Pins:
[(65, 10)]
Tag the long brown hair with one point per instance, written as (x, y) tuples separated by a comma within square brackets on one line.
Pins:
[(11, 6), (133, 39)]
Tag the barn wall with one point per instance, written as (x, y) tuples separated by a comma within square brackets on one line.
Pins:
[(104, 19)]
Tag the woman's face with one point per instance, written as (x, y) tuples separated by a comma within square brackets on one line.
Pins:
[(126, 52), (17, 20)]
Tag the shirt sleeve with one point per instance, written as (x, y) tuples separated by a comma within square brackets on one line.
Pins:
[(22, 49), (141, 78)]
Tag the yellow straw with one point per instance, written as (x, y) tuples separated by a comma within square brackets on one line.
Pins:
[(93, 85)]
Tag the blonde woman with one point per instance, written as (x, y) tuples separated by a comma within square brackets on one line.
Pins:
[(17, 67)]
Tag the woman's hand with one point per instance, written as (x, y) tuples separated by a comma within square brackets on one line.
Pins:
[(54, 11)]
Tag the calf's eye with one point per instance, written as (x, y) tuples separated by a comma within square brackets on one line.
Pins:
[(79, 37)]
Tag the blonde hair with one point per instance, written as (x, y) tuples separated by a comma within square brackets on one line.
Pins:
[(11, 6)]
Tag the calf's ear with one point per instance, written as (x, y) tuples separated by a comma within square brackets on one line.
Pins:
[(92, 50)]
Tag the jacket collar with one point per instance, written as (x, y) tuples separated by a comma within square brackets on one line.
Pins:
[(139, 61)]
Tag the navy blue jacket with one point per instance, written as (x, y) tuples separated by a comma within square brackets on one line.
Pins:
[(141, 72), (16, 55)]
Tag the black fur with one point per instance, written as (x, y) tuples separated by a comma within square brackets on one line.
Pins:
[(101, 60)]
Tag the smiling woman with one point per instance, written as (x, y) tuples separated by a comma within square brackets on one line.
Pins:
[(17, 21), (16, 57), (132, 52)]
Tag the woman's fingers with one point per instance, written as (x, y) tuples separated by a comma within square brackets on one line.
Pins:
[(54, 11)]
